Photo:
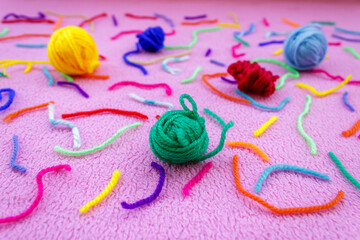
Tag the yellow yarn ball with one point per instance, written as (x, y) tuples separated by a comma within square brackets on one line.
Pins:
[(72, 50)]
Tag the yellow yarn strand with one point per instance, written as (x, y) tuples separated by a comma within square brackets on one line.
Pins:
[(71, 16), (159, 58), (277, 52), (109, 187), (72, 50), (7, 63), (327, 92), (229, 25), (265, 126)]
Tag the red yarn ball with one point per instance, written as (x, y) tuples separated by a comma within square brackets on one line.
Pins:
[(252, 78)]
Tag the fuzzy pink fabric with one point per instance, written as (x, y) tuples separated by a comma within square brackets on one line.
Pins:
[(214, 209)]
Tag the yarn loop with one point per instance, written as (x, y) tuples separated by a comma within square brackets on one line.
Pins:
[(180, 136), (252, 78), (305, 47), (71, 50), (152, 39)]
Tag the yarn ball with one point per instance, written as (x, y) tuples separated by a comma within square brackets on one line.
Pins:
[(180, 136), (252, 78), (71, 50), (305, 47), (152, 39)]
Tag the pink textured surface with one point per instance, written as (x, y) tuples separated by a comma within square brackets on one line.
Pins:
[(214, 209)]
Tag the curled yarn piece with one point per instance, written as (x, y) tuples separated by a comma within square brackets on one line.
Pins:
[(10, 100), (39, 194), (180, 136), (252, 78), (152, 39), (153, 196)]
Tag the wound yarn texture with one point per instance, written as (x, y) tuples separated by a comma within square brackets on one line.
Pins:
[(180, 136)]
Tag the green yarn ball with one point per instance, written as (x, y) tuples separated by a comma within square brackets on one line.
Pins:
[(180, 136)]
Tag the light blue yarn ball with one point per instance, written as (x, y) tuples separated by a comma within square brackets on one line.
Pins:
[(305, 47)]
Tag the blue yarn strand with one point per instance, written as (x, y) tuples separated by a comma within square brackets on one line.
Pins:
[(165, 18), (347, 103), (217, 62), (346, 31), (48, 75), (345, 39), (14, 154), (10, 100), (268, 170), (134, 64), (31, 45), (253, 102), (244, 33), (271, 33), (271, 42)]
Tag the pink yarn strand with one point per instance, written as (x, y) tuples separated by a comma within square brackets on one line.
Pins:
[(194, 180), (39, 194), (235, 55), (333, 77), (266, 23), (168, 90), (125, 32), (170, 33)]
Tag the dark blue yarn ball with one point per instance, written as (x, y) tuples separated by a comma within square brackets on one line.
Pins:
[(152, 39)]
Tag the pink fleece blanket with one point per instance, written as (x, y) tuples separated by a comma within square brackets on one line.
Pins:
[(214, 209)]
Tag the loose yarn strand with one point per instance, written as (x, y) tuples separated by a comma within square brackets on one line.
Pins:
[(101, 146), (196, 179), (159, 58), (352, 130), (343, 170), (300, 127), (10, 100), (74, 129), (195, 38), (39, 194), (263, 127), (256, 149), (107, 190), (255, 103), (218, 91), (153, 196), (330, 204), (168, 89), (14, 154), (11, 116), (324, 93), (102, 110), (193, 76), (286, 167), (346, 102), (152, 102)]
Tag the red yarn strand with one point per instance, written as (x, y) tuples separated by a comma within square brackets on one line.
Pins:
[(140, 17), (92, 19), (111, 110)]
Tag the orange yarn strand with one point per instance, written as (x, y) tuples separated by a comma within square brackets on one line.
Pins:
[(330, 204), (249, 145), (94, 76), (25, 35), (290, 22), (352, 130), (199, 22), (219, 92), (58, 23), (11, 116)]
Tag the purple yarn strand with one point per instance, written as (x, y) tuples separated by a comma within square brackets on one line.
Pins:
[(76, 86), (114, 20), (41, 16), (271, 42), (228, 80), (345, 39), (208, 52), (195, 17), (153, 196)]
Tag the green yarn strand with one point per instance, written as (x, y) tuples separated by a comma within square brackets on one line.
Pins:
[(180, 136)]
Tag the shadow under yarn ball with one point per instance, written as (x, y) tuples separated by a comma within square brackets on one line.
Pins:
[(305, 47), (180, 136)]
